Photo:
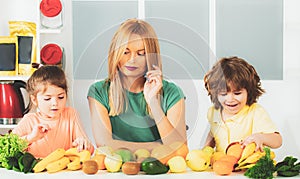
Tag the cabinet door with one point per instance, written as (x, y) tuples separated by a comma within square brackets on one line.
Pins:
[(253, 30), (94, 23)]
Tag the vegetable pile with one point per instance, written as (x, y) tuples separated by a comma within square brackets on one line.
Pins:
[(10, 145)]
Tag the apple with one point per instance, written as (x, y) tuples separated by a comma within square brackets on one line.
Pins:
[(113, 162), (141, 154), (197, 160), (126, 154), (177, 164)]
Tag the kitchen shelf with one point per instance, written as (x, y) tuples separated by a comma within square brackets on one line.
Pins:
[(7, 126), (50, 31), (12, 78)]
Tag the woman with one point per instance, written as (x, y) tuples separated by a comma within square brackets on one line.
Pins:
[(134, 107)]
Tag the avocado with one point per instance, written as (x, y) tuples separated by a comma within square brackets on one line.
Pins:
[(153, 166)]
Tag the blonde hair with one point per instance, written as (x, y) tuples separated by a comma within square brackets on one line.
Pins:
[(117, 95)]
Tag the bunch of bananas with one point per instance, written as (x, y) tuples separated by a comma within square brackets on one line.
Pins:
[(287, 167), (61, 159), (249, 157)]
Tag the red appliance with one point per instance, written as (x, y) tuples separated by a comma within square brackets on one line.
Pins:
[(12, 106)]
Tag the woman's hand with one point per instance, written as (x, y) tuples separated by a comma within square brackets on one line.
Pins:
[(82, 144), (257, 139), (39, 131), (153, 84)]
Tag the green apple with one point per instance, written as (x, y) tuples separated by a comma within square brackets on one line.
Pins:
[(113, 162), (126, 155)]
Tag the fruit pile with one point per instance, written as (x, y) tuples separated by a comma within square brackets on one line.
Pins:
[(61, 159), (161, 159), (236, 158)]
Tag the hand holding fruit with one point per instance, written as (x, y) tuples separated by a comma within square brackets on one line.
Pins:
[(257, 138), (82, 144)]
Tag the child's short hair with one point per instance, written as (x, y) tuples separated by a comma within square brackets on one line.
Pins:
[(234, 72), (46, 75)]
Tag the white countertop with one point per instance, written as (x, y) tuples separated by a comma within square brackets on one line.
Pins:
[(103, 174)]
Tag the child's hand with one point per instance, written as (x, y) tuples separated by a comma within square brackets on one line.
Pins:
[(38, 132), (257, 138), (153, 84), (82, 144)]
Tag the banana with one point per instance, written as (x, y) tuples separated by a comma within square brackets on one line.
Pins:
[(244, 167), (58, 165), (76, 164), (84, 155), (72, 151), (253, 158), (248, 150), (54, 156)]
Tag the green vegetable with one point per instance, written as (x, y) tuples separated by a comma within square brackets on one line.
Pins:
[(10, 145), (287, 167), (264, 168), (152, 166), (27, 161), (22, 162)]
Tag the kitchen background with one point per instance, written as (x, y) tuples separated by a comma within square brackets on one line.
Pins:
[(192, 34)]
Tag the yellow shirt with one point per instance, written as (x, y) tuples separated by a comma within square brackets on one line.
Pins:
[(62, 132), (251, 119)]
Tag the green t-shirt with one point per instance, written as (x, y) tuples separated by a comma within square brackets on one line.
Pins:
[(135, 125)]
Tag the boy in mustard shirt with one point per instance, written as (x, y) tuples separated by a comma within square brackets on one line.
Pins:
[(234, 87)]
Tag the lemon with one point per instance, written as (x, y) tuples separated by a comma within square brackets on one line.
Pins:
[(177, 164)]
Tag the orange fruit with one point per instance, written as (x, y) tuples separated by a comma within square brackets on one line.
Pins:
[(99, 158), (222, 167), (163, 153), (216, 156), (179, 149), (235, 149), (229, 158)]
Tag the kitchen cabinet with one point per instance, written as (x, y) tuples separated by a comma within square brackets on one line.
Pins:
[(29, 10)]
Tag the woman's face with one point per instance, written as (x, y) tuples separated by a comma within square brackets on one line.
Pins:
[(133, 62), (50, 102), (233, 101)]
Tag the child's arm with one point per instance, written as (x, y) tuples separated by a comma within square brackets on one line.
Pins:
[(210, 141), (272, 140), (38, 132)]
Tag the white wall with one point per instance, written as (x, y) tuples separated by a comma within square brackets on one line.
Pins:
[(281, 100)]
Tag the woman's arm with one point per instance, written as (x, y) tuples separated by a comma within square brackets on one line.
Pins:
[(102, 130), (171, 126)]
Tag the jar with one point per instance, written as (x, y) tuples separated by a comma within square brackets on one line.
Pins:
[(52, 54), (51, 14)]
